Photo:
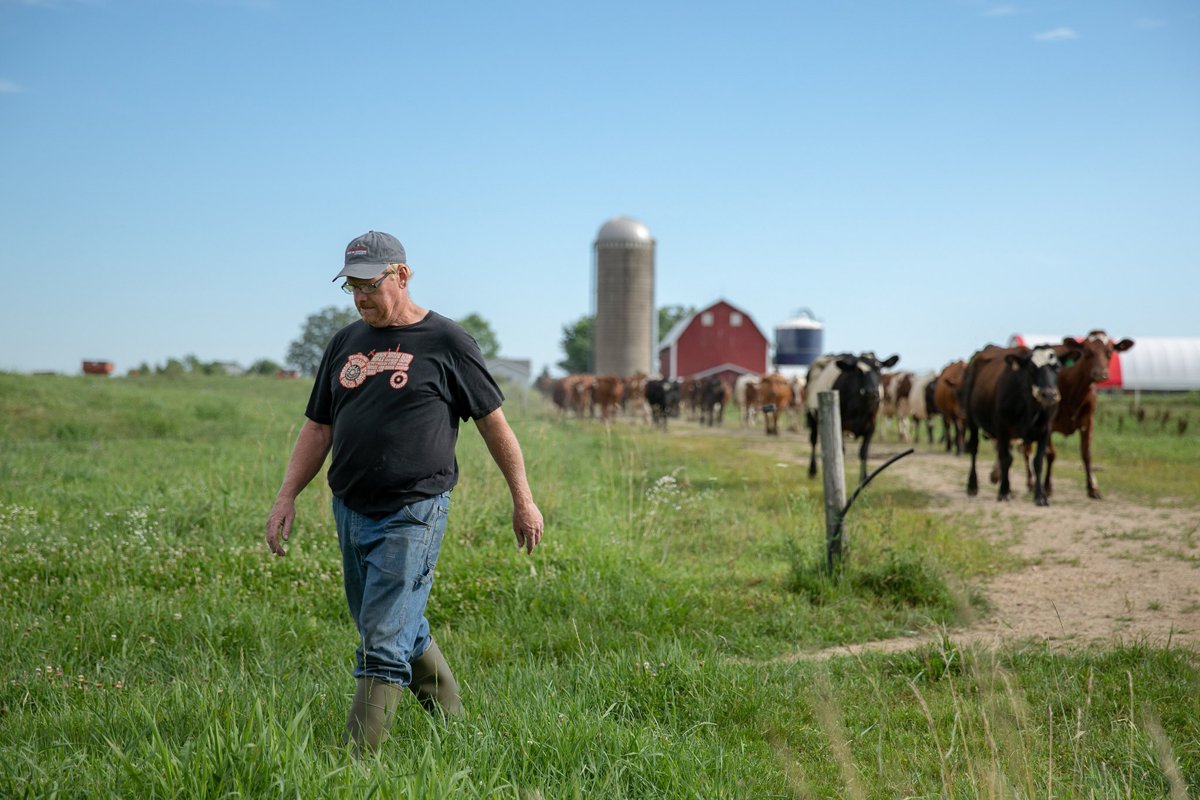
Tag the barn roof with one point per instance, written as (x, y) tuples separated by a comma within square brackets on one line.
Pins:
[(1161, 364), (682, 325), (676, 331)]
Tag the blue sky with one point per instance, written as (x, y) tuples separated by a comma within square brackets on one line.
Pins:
[(181, 176)]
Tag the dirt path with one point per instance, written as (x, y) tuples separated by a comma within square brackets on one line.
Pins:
[(1095, 571)]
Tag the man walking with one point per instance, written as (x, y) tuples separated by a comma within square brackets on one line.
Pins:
[(388, 397)]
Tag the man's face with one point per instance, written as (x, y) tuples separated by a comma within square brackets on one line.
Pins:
[(377, 308)]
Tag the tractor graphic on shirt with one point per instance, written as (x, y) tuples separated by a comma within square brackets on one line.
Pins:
[(359, 367)]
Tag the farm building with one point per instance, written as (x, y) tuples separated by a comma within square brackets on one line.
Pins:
[(1153, 364), (720, 339), (514, 370), (799, 341), (624, 298), (97, 367)]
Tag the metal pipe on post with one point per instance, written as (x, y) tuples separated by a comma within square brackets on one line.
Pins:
[(833, 471)]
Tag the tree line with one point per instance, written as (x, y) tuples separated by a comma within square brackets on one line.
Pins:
[(304, 352), (577, 337)]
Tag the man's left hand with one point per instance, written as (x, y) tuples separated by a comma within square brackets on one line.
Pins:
[(528, 526)]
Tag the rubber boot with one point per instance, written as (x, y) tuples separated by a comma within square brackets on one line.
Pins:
[(433, 683), (371, 713)]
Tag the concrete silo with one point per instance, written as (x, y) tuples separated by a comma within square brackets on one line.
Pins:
[(624, 337)]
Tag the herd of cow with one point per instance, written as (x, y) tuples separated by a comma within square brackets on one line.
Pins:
[(1010, 394)]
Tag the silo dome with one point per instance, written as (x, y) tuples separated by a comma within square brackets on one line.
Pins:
[(625, 333), (624, 229), (803, 321)]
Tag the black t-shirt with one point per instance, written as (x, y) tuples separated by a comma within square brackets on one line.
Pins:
[(394, 397)]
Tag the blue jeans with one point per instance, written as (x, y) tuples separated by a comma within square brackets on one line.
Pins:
[(387, 567)]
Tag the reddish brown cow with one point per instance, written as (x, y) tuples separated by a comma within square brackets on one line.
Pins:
[(607, 392), (689, 398), (1077, 408), (581, 394), (945, 397), (774, 396), (560, 392), (635, 396)]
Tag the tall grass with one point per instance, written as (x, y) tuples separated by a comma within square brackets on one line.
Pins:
[(153, 648), (1149, 447)]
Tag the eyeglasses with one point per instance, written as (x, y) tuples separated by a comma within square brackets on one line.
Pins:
[(366, 288)]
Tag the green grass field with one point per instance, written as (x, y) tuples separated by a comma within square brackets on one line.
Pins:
[(153, 648)]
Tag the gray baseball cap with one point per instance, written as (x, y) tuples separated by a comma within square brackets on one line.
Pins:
[(370, 254)]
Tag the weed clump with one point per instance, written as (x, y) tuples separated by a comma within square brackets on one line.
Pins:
[(900, 578)]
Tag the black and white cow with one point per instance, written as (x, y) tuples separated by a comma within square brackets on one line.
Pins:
[(1012, 393), (856, 380), (663, 397)]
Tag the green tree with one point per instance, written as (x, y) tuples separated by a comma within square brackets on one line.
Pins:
[(577, 345), (482, 331), (304, 354), (264, 366), (669, 315), (174, 368), (577, 336)]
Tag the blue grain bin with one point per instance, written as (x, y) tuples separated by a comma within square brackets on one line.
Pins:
[(798, 341)]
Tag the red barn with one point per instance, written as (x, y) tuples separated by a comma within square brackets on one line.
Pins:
[(718, 340)]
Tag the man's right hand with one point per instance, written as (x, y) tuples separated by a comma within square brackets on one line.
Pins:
[(279, 524)]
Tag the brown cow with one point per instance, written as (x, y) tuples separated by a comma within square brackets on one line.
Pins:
[(635, 396), (774, 396), (885, 391), (896, 404), (945, 397), (580, 397), (1077, 408), (689, 398), (607, 392), (561, 392)]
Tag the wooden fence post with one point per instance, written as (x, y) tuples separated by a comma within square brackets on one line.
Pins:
[(833, 472)]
